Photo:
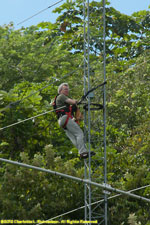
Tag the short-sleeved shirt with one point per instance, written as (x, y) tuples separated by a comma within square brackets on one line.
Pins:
[(61, 100)]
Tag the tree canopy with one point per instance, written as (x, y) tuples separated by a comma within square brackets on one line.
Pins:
[(33, 62)]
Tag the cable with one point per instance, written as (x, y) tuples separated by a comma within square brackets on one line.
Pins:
[(93, 106), (66, 75), (92, 89), (22, 121), (39, 12), (18, 102), (82, 207), (10, 105), (136, 66)]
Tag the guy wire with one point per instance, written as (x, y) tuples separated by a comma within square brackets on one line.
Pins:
[(39, 12), (33, 117), (99, 201)]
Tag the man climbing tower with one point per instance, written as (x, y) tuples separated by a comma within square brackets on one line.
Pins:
[(66, 120)]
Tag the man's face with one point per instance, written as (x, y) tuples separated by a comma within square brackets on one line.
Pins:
[(65, 90)]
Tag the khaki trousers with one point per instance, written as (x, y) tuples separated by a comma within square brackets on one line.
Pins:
[(74, 133)]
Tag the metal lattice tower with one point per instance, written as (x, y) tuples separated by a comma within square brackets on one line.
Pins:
[(95, 129)]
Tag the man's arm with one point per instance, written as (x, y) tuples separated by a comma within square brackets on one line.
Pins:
[(71, 101)]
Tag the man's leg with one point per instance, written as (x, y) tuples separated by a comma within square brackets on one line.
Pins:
[(76, 135)]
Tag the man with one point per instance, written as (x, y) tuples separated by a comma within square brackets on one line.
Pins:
[(64, 111)]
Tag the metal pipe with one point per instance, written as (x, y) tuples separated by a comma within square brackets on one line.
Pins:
[(97, 202), (103, 186), (85, 119), (104, 103)]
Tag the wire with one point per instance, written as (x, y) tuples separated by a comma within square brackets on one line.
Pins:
[(18, 102), (33, 117), (39, 12), (92, 89), (82, 207), (66, 75), (135, 66), (39, 67)]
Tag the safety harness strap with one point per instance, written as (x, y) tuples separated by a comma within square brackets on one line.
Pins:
[(65, 124), (69, 115), (68, 110)]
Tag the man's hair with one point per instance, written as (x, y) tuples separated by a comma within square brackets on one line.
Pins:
[(61, 86)]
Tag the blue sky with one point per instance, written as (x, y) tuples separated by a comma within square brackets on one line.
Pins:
[(19, 10)]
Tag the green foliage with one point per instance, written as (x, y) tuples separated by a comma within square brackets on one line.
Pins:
[(33, 62), (22, 186)]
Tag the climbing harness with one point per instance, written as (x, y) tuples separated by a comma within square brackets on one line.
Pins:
[(67, 110)]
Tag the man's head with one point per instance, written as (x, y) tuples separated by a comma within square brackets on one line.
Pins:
[(63, 89)]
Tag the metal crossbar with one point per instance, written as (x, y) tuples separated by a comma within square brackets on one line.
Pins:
[(103, 186)]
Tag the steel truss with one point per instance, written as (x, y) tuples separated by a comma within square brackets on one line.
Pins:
[(95, 129)]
